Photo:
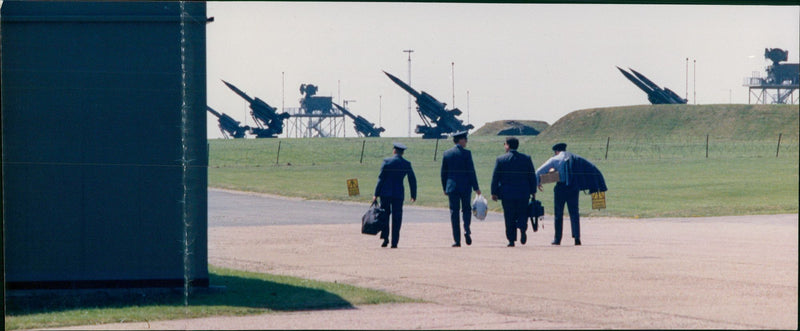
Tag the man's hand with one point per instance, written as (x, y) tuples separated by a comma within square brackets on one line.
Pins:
[(478, 192), (374, 198), (541, 188), (494, 197), (445, 192), (412, 199)]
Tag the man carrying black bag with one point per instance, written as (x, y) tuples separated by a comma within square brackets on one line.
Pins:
[(513, 182), (535, 210), (373, 219), (391, 191)]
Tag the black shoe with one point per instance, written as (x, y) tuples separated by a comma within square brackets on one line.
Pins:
[(555, 242), (385, 243), (523, 238), (456, 245), (468, 239), (577, 241), (394, 246), (510, 244)]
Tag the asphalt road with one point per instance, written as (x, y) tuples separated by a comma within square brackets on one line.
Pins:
[(231, 208)]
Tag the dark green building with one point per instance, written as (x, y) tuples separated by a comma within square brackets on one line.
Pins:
[(104, 144)]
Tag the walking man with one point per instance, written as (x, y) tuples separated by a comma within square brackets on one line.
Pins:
[(565, 191), (514, 180), (391, 191), (458, 180)]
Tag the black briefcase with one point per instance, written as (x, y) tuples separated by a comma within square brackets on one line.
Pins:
[(372, 221), (535, 210)]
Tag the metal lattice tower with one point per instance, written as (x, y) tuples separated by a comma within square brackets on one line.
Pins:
[(781, 84)]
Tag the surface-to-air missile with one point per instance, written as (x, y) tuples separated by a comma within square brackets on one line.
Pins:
[(229, 126), (655, 94), (433, 112), (363, 127), (269, 122)]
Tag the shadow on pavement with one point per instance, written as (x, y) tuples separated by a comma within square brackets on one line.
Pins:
[(232, 291), (256, 293)]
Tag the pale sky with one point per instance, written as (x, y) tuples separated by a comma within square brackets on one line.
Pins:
[(518, 61)]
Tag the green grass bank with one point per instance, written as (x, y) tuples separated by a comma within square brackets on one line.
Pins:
[(651, 170), (652, 122)]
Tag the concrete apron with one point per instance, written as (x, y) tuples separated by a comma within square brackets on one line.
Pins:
[(725, 272), (720, 272)]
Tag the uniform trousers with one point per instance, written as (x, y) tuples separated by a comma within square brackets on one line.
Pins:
[(515, 212), (569, 195), (459, 203), (393, 207)]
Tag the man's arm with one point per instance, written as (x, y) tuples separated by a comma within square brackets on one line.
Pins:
[(381, 176), (495, 180), (444, 173), (533, 179), (545, 168), (412, 183), (473, 175)]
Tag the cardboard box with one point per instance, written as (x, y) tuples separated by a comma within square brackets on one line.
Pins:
[(550, 177)]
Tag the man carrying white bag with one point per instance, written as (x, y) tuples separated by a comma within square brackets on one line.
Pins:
[(479, 207)]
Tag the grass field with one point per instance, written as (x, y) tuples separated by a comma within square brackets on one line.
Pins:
[(244, 293), (646, 177)]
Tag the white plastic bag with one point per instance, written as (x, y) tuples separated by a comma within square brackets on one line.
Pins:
[(479, 207)]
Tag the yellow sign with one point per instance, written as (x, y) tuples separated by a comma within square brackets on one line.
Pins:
[(352, 187), (599, 200)]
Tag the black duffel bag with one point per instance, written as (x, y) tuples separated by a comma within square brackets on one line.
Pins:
[(535, 210), (372, 221)]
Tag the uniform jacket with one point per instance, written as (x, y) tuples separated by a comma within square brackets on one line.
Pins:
[(586, 176), (390, 178), (458, 171), (514, 176), (575, 171)]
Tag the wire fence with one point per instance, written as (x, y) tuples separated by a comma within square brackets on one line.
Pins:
[(701, 147), (358, 151), (342, 151)]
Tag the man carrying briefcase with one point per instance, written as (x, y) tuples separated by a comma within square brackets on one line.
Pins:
[(391, 191), (513, 182)]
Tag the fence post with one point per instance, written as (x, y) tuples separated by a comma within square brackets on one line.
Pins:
[(607, 142), (779, 144), (436, 151), (706, 145), (279, 153), (362, 151)]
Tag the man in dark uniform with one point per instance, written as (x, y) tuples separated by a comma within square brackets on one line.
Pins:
[(514, 180), (564, 192), (391, 191), (458, 180)]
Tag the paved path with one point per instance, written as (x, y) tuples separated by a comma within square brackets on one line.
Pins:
[(231, 208), (717, 272)]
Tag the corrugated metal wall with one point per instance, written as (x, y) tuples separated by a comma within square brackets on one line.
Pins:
[(98, 119)]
